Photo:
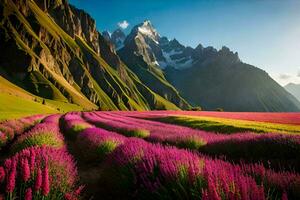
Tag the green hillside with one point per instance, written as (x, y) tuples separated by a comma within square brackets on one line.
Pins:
[(16, 102), (57, 62)]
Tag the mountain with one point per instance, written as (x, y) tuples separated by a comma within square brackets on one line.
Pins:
[(140, 53), (219, 79), (294, 89), (204, 76), (54, 51), (117, 38)]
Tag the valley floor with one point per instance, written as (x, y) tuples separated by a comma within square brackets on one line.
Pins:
[(151, 155)]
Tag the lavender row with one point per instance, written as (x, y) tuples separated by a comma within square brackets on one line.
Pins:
[(280, 150), (41, 167), (112, 124), (12, 128), (43, 134), (96, 143), (137, 167), (73, 124), (39, 173)]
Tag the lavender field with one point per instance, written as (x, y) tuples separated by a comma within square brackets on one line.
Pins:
[(132, 155)]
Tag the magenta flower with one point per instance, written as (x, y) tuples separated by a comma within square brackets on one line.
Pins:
[(46, 133), (11, 128), (45, 184), (11, 181), (70, 196), (25, 170), (96, 143), (52, 118), (284, 196), (28, 194), (38, 180), (79, 190), (2, 174), (32, 160), (53, 173)]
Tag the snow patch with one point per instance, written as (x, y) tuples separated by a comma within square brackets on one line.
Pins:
[(162, 64), (155, 63), (147, 30), (176, 63)]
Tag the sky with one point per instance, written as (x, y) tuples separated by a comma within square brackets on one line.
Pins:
[(265, 33)]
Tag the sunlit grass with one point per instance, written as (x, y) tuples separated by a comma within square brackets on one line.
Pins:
[(228, 126)]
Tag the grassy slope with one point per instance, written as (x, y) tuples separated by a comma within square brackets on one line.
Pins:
[(44, 88), (45, 21), (138, 103), (133, 100), (15, 107), (228, 126), (157, 101), (16, 102)]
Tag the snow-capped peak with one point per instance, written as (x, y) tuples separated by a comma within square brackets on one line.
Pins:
[(147, 23), (146, 29)]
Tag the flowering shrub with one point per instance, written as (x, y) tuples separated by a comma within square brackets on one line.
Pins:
[(274, 149), (52, 118), (133, 168), (280, 150), (43, 134), (10, 128), (74, 124), (281, 118), (38, 173), (155, 171), (113, 124), (96, 143), (3, 139), (187, 142)]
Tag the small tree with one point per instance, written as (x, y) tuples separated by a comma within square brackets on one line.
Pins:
[(197, 108), (220, 109)]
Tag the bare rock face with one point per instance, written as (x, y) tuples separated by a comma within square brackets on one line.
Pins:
[(62, 56)]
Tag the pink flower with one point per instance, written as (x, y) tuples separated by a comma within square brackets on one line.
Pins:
[(28, 194), (25, 170), (45, 185), (38, 180), (2, 174)]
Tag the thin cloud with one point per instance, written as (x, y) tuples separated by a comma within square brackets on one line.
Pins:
[(284, 76), (298, 75), (123, 25)]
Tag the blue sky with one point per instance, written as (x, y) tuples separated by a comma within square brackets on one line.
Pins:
[(265, 33)]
